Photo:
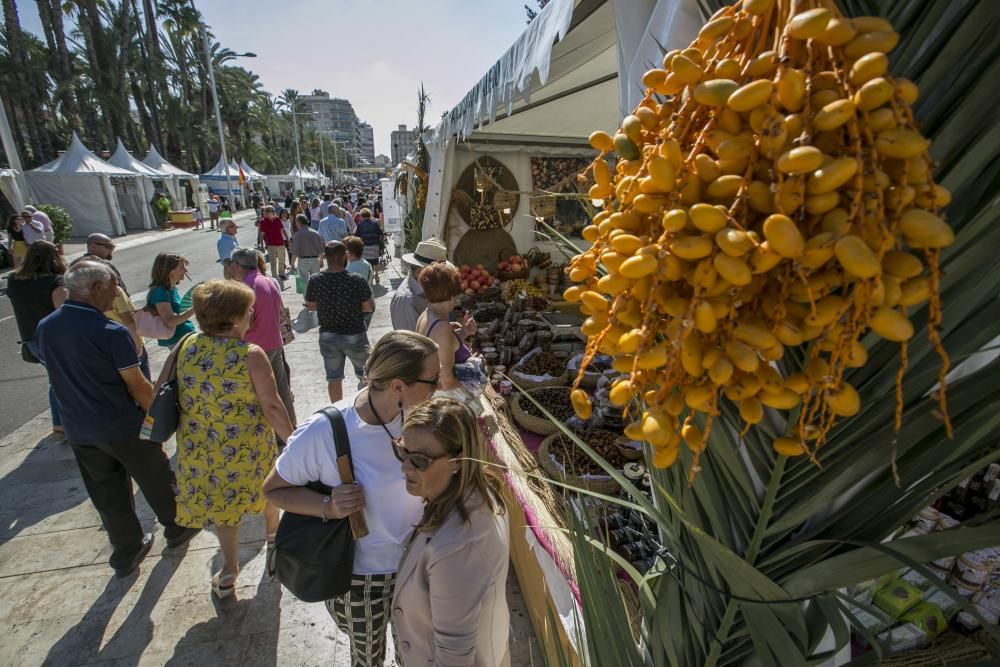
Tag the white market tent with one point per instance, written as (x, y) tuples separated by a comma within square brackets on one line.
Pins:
[(98, 196), (150, 178), (575, 69), (215, 179), (180, 195), (251, 173), (12, 186)]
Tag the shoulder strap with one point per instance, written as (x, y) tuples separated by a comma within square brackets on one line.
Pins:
[(339, 427), (431, 328)]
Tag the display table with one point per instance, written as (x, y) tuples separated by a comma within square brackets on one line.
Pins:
[(540, 549)]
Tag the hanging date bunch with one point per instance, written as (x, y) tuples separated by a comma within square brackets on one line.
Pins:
[(780, 196)]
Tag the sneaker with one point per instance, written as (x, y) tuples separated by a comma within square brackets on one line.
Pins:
[(132, 565)]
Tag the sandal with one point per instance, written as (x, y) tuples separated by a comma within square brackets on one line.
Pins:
[(223, 591)]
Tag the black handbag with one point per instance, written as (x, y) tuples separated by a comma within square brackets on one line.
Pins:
[(312, 558), (165, 412)]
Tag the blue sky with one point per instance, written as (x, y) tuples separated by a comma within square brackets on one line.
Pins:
[(373, 52)]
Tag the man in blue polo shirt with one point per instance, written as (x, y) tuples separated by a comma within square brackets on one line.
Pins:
[(94, 372)]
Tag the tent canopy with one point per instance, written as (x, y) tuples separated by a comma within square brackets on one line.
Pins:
[(556, 84), (122, 158), (300, 173), (79, 160), (250, 172), (219, 170), (158, 162)]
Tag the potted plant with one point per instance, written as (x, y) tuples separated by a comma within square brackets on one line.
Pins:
[(62, 226)]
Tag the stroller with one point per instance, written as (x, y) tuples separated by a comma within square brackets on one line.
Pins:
[(383, 255)]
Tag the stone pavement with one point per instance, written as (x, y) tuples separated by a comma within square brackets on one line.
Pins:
[(60, 603)]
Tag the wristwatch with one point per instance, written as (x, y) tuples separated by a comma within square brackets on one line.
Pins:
[(322, 510)]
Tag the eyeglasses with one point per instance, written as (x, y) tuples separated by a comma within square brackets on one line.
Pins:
[(106, 245), (435, 381), (419, 461)]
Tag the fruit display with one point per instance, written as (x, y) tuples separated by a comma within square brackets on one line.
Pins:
[(512, 288), (612, 447), (541, 363), (780, 195), (476, 279), (554, 174), (554, 399), (513, 264)]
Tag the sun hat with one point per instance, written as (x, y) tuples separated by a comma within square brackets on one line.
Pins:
[(426, 253)]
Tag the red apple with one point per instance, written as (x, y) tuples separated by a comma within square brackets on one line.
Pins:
[(474, 284), (502, 266)]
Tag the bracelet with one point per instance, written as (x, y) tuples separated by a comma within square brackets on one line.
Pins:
[(322, 509)]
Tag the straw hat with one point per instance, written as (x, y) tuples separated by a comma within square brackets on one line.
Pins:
[(427, 252)]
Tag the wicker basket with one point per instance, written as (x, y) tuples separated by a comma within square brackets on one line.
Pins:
[(605, 485), (528, 421), (526, 381)]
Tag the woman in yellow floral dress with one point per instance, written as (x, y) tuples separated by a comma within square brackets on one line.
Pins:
[(229, 413)]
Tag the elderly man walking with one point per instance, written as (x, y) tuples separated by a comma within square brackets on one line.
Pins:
[(307, 248), (265, 323), (94, 371), (100, 249), (333, 227), (225, 246)]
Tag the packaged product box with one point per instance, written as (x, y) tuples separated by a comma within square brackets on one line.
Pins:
[(927, 617), (917, 580), (904, 637), (948, 606), (873, 619), (897, 598)]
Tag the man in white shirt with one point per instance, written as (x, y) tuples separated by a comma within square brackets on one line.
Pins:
[(408, 301), (46, 221), (32, 228)]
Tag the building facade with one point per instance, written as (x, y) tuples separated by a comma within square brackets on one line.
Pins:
[(335, 118), (366, 148), (402, 143)]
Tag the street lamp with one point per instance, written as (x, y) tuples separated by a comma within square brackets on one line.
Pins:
[(215, 100)]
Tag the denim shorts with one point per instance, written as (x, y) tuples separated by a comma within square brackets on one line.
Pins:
[(337, 348)]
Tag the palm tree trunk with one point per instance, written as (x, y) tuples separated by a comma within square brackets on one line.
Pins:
[(20, 97), (50, 13)]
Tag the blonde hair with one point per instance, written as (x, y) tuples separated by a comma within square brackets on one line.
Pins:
[(220, 304), (398, 355), (454, 426)]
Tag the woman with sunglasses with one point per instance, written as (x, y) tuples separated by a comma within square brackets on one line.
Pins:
[(450, 606), (401, 372)]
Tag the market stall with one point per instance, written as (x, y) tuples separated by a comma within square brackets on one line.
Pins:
[(216, 178), (153, 180), (98, 196), (183, 186)]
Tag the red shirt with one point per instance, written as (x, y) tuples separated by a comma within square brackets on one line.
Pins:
[(273, 231)]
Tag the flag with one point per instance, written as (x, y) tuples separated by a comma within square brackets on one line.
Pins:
[(243, 177)]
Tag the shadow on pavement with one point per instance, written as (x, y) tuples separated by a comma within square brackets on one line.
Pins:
[(45, 484), (83, 642)]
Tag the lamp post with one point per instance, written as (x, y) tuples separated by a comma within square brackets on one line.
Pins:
[(215, 101)]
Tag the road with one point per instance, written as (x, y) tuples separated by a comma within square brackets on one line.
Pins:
[(24, 387)]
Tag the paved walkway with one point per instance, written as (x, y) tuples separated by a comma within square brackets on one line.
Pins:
[(60, 603)]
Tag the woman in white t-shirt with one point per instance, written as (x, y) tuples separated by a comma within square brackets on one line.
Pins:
[(402, 371)]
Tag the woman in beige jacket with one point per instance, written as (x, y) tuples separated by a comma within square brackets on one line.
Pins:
[(450, 605)]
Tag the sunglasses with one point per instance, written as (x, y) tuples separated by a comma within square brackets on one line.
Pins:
[(106, 245), (419, 461), (432, 382)]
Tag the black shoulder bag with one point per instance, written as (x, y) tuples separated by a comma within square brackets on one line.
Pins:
[(312, 558)]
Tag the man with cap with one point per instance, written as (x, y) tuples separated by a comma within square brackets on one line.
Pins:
[(226, 244), (42, 217), (408, 300), (100, 249)]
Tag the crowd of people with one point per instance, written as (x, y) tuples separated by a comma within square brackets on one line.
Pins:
[(434, 561)]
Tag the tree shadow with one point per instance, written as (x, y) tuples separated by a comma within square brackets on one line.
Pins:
[(82, 642), (45, 484)]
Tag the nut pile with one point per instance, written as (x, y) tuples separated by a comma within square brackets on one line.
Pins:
[(780, 196), (577, 462), (553, 399), (542, 363)]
